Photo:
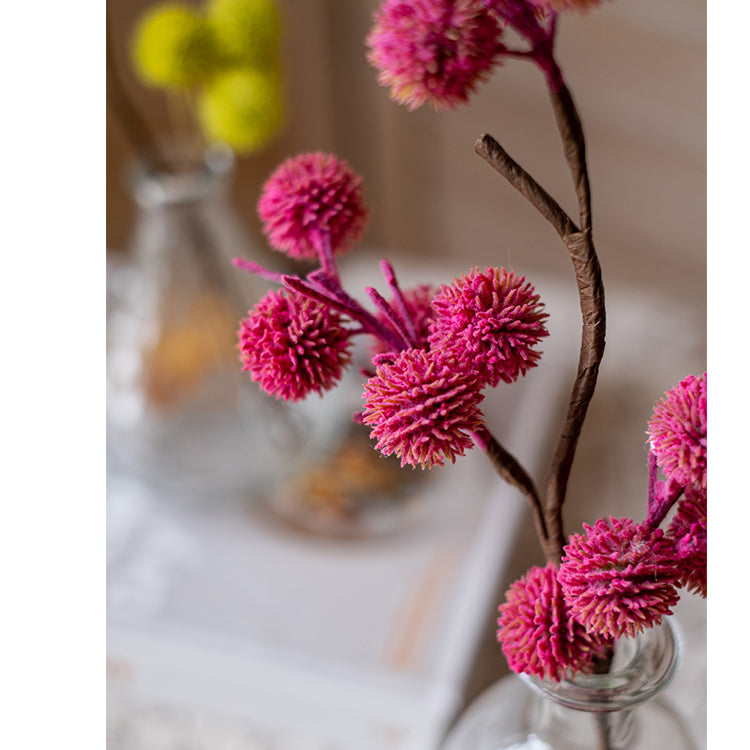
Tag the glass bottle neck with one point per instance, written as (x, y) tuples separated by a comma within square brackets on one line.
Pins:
[(159, 182)]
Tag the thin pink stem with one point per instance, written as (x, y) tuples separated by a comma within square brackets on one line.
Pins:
[(391, 315), (390, 277), (255, 268)]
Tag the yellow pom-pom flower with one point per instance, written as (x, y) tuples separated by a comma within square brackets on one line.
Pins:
[(242, 108), (173, 47), (247, 31)]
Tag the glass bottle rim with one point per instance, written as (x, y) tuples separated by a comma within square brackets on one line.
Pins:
[(643, 666), (162, 177)]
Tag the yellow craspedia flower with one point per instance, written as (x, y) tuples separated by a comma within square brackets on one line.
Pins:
[(242, 108), (173, 47), (247, 31)]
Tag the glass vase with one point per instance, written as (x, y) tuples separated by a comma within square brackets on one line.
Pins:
[(619, 710), (181, 413)]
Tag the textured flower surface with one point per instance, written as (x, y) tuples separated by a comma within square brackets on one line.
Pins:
[(677, 432), (537, 632), (421, 408), (689, 531), (311, 199), (620, 577), (292, 346), (433, 51), (490, 322), (419, 310)]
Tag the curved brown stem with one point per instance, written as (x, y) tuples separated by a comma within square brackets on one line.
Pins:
[(510, 470), (497, 157), (574, 148)]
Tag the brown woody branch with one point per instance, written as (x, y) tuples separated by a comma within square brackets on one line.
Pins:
[(590, 288)]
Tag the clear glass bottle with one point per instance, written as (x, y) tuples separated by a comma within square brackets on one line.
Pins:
[(181, 413), (619, 710)]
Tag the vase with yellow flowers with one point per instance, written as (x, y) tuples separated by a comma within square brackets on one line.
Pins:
[(178, 413)]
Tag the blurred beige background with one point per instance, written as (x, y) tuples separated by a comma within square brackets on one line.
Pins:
[(637, 69)]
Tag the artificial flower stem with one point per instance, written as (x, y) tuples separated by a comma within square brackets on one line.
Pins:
[(391, 315), (590, 290), (499, 159), (574, 146), (591, 300), (369, 323), (255, 268), (511, 471), (325, 254), (331, 287), (390, 277)]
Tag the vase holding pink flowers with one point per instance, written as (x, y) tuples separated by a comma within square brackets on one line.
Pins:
[(589, 629), (619, 709)]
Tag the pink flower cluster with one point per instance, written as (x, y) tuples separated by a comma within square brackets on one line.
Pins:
[(678, 432), (493, 319), (688, 530), (293, 346), (538, 632), (433, 51), (437, 51), (311, 200), (422, 406), (433, 353), (620, 577)]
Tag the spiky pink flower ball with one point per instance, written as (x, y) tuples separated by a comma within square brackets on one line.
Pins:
[(310, 199), (422, 408), (677, 432), (537, 632), (490, 322), (433, 51), (619, 577), (292, 346), (419, 310), (689, 531)]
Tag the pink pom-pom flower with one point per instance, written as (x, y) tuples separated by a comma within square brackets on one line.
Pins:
[(421, 408), (310, 200), (490, 322), (677, 432), (620, 577), (537, 631), (433, 51), (292, 346), (689, 531)]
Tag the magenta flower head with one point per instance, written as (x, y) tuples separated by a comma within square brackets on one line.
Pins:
[(677, 432), (433, 51), (689, 532), (292, 346), (537, 632), (490, 322), (309, 200), (619, 578), (421, 407)]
